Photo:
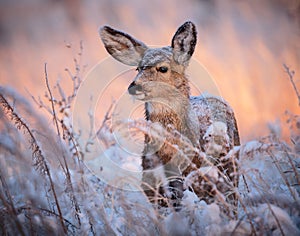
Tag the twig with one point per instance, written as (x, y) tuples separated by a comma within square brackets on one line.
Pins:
[(36, 210), (278, 166), (10, 204), (67, 173), (246, 184), (37, 154), (291, 74), (271, 210), (51, 100)]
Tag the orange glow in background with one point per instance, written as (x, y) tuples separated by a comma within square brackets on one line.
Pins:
[(243, 45)]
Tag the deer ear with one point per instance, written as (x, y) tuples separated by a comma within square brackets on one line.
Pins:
[(122, 46), (184, 42)]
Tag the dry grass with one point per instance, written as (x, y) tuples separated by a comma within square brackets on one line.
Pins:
[(45, 187)]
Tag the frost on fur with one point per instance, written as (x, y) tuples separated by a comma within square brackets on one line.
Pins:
[(216, 140), (207, 123)]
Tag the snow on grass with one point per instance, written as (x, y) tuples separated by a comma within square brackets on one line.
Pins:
[(88, 204)]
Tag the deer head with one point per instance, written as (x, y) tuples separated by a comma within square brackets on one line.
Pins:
[(160, 70)]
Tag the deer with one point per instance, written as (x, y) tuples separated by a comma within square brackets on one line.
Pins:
[(207, 122)]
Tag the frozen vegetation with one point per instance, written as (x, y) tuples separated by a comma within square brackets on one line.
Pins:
[(46, 187)]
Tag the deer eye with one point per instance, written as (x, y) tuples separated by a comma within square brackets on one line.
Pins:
[(162, 69)]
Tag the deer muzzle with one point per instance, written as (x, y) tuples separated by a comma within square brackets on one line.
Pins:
[(135, 89)]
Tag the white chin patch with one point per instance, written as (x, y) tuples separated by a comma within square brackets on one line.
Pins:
[(139, 96)]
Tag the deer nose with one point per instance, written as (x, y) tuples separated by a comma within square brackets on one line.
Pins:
[(134, 88)]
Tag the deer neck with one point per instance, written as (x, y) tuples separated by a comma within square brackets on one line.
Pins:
[(176, 113)]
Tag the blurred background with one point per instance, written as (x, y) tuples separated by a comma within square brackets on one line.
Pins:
[(243, 45)]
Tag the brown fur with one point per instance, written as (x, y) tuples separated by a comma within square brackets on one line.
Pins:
[(207, 122)]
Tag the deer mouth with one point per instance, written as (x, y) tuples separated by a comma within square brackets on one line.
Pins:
[(136, 91), (139, 96)]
